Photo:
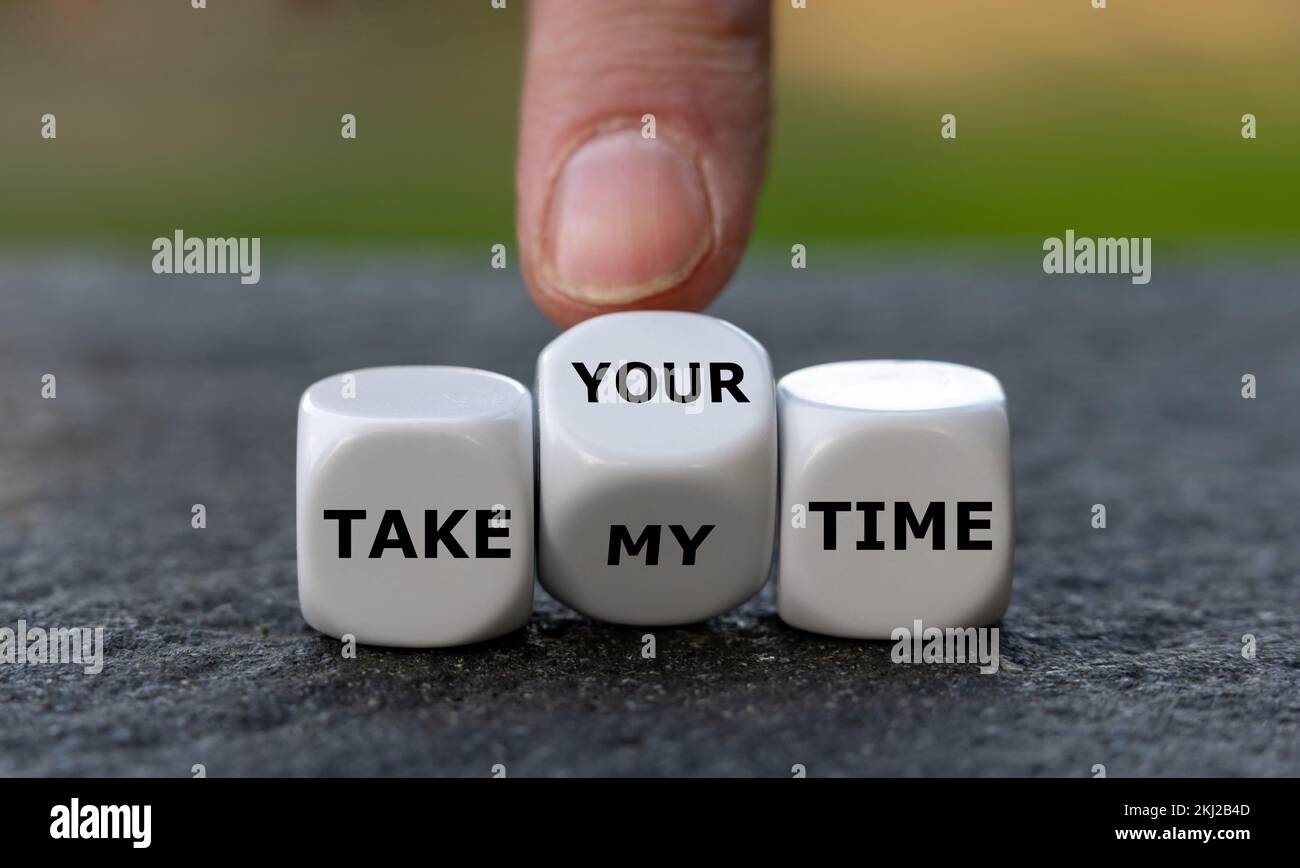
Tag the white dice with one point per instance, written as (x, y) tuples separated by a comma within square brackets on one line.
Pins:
[(656, 467), (896, 498), (415, 506)]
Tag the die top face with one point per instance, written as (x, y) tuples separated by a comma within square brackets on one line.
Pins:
[(417, 393), (697, 385), (892, 386)]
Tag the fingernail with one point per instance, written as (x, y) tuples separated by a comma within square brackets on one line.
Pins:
[(629, 217)]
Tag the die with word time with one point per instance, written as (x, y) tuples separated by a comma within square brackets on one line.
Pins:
[(896, 498)]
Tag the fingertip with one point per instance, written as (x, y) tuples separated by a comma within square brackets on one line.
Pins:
[(642, 145), (565, 311), (628, 218)]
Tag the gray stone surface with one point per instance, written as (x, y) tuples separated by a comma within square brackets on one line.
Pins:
[(1122, 646)]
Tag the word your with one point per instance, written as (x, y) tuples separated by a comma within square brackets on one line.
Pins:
[(638, 382), (1098, 256), (103, 821), (620, 538), (954, 645), (78, 645), (906, 523), (181, 255), (487, 524)]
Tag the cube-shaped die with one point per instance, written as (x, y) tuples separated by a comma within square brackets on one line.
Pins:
[(656, 467), (415, 506), (896, 498)]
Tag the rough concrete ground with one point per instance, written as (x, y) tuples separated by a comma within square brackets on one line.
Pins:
[(1122, 646)]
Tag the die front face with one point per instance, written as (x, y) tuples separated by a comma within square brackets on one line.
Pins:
[(896, 498), (415, 506), (656, 467)]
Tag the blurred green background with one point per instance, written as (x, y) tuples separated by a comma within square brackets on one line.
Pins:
[(226, 120)]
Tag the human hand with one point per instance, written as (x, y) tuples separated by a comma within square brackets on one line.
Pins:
[(608, 217)]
